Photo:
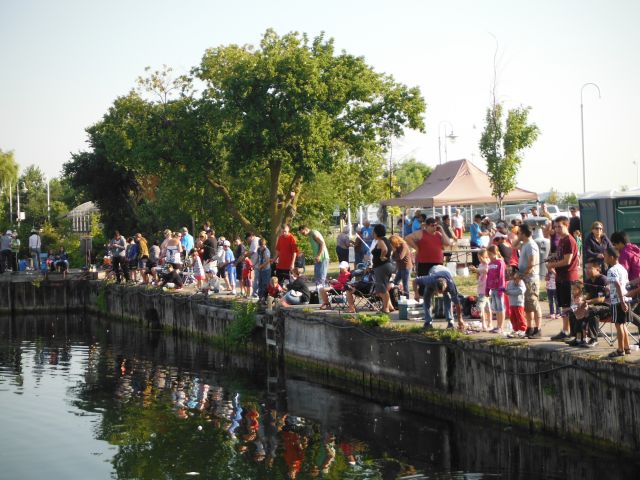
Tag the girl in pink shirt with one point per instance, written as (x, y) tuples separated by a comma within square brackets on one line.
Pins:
[(495, 285)]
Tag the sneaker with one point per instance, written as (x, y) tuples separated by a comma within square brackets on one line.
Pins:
[(233, 292), (450, 325), (537, 333), (427, 326), (528, 332), (588, 344), (495, 330), (572, 342), (616, 353), (560, 337), (518, 334)]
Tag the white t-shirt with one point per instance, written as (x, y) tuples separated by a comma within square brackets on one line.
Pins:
[(458, 221), (617, 274), (34, 241)]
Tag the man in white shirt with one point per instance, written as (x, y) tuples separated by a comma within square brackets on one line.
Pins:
[(35, 248), (254, 243)]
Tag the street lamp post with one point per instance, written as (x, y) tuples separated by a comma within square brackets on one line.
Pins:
[(449, 136), (584, 175)]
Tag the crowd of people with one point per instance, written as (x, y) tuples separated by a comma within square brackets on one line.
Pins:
[(505, 258)]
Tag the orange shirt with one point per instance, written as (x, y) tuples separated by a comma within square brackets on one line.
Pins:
[(286, 248)]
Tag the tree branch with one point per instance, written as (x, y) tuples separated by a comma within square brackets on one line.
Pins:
[(231, 206)]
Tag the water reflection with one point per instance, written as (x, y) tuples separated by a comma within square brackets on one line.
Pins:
[(128, 403)]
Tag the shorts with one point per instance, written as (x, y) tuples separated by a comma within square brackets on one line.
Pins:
[(150, 266), (618, 315), (200, 278), (382, 276), (563, 292), (483, 302), (497, 301), (142, 263), (531, 296)]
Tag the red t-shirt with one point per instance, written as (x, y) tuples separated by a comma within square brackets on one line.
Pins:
[(567, 245), (286, 248), (430, 248)]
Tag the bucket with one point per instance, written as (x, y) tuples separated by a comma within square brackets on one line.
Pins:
[(402, 311), (452, 267), (462, 271)]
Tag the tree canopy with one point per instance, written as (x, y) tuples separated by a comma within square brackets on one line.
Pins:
[(501, 146), (271, 125)]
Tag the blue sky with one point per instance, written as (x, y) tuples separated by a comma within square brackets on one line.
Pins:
[(64, 62)]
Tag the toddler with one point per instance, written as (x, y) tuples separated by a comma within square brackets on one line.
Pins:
[(515, 290), (198, 269), (274, 292)]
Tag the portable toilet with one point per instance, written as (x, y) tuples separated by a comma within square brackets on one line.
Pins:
[(617, 210)]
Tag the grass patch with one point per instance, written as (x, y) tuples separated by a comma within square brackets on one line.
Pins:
[(373, 320)]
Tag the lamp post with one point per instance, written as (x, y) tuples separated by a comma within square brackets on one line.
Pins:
[(24, 190), (449, 136), (584, 175)]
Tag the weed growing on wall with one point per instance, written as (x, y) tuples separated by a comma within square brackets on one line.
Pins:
[(369, 320), (239, 330)]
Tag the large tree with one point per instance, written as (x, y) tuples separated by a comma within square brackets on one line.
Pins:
[(501, 145), (292, 109), (409, 175), (268, 124)]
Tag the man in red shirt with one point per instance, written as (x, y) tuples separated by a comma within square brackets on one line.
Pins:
[(286, 251), (429, 243), (566, 264)]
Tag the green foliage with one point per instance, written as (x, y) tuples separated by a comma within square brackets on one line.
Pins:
[(270, 122), (553, 197), (242, 325), (409, 175), (501, 146), (373, 320), (569, 199)]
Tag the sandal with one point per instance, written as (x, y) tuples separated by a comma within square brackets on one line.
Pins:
[(325, 306), (616, 353), (627, 351)]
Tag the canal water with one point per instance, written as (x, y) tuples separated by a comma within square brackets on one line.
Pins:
[(86, 398)]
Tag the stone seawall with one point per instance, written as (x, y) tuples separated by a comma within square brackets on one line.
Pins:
[(534, 386)]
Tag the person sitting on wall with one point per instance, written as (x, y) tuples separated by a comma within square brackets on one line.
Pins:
[(61, 262), (297, 291), (171, 278)]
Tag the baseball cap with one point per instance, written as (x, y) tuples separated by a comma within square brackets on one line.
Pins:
[(343, 264), (226, 243)]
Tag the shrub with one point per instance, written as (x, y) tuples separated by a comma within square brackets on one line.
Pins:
[(373, 320), (239, 330)]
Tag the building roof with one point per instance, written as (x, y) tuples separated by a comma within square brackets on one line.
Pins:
[(458, 182), (85, 208)]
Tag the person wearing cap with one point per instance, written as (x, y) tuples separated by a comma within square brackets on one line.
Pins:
[(320, 254), (254, 244), (186, 241), (229, 266), (35, 248), (338, 285), (5, 250)]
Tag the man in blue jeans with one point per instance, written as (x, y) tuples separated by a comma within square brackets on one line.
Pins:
[(439, 280)]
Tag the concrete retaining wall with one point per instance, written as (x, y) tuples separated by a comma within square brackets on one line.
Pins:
[(588, 399)]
